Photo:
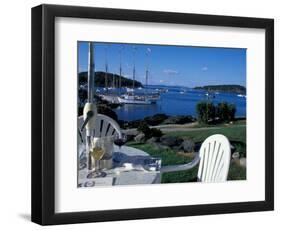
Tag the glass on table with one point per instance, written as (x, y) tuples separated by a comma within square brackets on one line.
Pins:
[(97, 150), (120, 140)]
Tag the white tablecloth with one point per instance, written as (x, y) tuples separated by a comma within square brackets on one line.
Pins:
[(130, 167)]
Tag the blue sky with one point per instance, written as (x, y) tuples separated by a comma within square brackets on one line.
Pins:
[(170, 65)]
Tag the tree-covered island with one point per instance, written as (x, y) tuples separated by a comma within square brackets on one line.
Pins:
[(239, 89)]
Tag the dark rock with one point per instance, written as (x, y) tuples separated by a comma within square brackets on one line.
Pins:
[(188, 146), (170, 141), (160, 146), (152, 140), (140, 138), (179, 120), (197, 146), (235, 155), (243, 162)]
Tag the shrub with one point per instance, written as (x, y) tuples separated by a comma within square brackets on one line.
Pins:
[(144, 128), (156, 119), (206, 112), (225, 111), (156, 132), (148, 132), (222, 111), (232, 111)]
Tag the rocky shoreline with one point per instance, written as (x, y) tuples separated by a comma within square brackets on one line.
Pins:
[(157, 119)]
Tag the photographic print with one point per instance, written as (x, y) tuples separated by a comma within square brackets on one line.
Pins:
[(136, 105), (151, 114)]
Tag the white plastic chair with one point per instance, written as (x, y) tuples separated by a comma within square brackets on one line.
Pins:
[(104, 126), (214, 157)]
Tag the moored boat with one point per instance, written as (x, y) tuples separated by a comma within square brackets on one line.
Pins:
[(134, 99), (131, 97), (110, 98)]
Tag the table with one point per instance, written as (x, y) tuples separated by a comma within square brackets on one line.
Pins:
[(131, 166)]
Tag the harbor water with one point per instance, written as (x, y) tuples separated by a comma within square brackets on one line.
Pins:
[(179, 101)]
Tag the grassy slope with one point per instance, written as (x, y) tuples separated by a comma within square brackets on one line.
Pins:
[(169, 157), (233, 132), (236, 132)]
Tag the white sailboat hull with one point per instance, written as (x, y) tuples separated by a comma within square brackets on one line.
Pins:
[(134, 101), (110, 98)]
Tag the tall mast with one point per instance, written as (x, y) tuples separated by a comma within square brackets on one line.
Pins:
[(146, 78), (113, 80), (134, 68), (120, 68), (106, 69), (91, 73), (148, 51)]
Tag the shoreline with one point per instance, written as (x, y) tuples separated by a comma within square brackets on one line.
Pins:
[(193, 126)]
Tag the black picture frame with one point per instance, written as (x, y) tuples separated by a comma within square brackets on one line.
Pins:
[(43, 114)]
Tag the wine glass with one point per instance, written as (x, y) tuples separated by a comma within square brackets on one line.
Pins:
[(97, 151), (120, 140)]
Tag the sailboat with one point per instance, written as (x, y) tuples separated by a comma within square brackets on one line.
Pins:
[(107, 94), (131, 98), (210, 95)]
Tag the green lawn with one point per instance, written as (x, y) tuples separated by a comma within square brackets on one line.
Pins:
[(232, 132), (236, 133), (169, 157), (237, 122)]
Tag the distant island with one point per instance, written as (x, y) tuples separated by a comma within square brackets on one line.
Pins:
[(223, 88), (100, 79)]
